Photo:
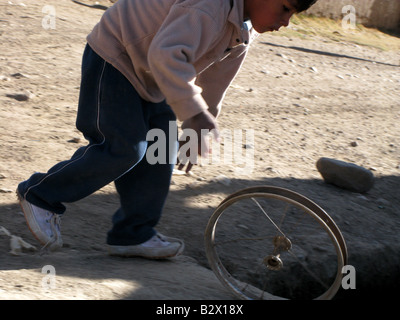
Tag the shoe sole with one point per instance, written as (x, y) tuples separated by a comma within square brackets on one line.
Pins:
[(24, 210)]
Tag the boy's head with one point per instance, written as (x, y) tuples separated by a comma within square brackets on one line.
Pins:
[(270, 15), (302, 5)]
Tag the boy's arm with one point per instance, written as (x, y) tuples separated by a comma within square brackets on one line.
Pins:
[(216, 79), (186, 35)]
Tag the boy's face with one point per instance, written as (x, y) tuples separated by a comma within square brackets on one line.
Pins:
[(269, 15)]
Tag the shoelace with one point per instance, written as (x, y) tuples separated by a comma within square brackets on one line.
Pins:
[(55, 221)]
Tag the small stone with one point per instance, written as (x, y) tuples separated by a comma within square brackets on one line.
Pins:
[(354, 143), (23, 96), (17, 245), (281, 55), (74, 140), (4, 232), (345, 175), (19, 75)]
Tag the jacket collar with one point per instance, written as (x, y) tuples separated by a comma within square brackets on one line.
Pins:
[(244, 32)]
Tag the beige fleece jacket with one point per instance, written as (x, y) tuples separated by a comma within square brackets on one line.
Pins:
[(186, 52)]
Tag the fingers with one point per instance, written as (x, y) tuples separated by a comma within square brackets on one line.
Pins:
[(216, 136), (204, 146), (195, 139), (190, 149), (181, 166)]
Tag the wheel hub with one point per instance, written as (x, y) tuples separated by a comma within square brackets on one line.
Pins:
[(273, 262)]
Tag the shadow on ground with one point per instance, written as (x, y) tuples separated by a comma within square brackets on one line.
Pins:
[(369, 222)]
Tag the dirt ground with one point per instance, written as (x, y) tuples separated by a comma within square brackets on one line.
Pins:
[(304, 97)]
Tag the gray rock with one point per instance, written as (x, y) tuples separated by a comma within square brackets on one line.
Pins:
[(23, 96), (345, 175), (19, 75)]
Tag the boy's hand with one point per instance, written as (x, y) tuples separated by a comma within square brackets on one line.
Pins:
[(196, 130)]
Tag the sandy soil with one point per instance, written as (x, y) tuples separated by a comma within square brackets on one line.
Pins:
[(305, 98)]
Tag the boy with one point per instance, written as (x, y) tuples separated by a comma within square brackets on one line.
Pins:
[(146, 63)]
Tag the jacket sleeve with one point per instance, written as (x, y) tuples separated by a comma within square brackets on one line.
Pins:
[(216, 79), (186, 35)]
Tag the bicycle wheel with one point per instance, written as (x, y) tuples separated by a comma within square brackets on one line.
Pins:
[(272, 243)]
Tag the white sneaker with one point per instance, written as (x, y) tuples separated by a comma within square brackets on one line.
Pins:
[(44, 225), (158, 247)]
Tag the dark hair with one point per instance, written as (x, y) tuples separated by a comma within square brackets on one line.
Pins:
[(302, 5)]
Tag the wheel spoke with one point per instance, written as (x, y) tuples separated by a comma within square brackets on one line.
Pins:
[(311, 273), (269, 218)]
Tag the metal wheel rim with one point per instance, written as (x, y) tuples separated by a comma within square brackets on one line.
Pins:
[(229, 281)]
